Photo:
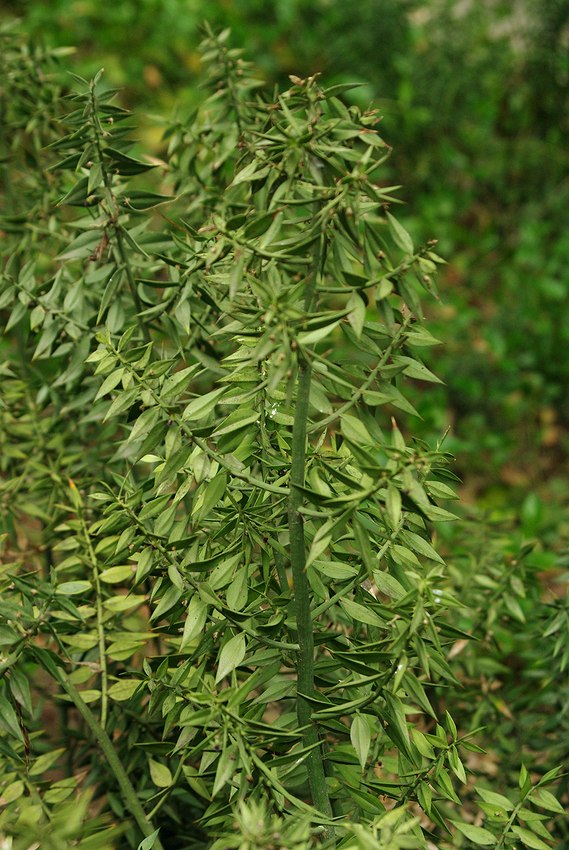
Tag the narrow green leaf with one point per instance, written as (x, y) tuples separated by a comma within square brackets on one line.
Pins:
[(149, 841), (400, 235), (530, 839), (360, 736), (231, 655), (123, 689), (159, 773), (202, 406), (545, 799), (495, 799), (360, 613), (72, 588), (196, 618), (476, 834), (115, 575), (9, 719)]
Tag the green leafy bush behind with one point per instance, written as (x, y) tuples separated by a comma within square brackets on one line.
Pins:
[(476, 96), (158, 504)]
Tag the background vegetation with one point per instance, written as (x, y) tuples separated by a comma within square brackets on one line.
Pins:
[(474, 99)]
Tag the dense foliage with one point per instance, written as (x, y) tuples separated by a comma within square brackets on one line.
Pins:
[(223, 600), (475, 96)]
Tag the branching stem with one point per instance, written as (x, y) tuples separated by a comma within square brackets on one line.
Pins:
[(99, 610), (118, 244), (301, 595), (130, 798)]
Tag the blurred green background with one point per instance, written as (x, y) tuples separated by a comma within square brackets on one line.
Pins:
[(474, 96)]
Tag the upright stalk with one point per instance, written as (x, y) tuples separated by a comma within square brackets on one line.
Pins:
[(130, 798), (121, 254), (100, 616), (301, 595)]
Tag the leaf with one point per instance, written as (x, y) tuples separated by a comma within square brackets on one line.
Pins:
[(393, 505), (202, 406), (225, 770), (405, 557), (82, 246), (419, 544), (360, 736), (238, 591), (45, 761), (123, 689), (312, 337), (159, 773), (397, 723), (530, 839), (137, 200), (90, 695), (357, 314), (72, 588), (8, 636), (360, 613), (495, 799), (545, 799), (421, 337), (12, 792), (170, 598), (48, 660), (77, 195), (124, 400), (335, 569), (424, 747), (400, 235), (389, 585), (231, 655), (318, 547), (149, 841), (250, 172), (196, 618), (476, 834), (456, 764), (123, 603), (115, 575), (416, 370), (178, 381), (154, 507), (9, 720), (210, 496), (355, 430), (417, 693), (237, 420), (121, 163)]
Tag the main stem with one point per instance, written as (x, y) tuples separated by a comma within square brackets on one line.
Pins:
[(118, 246), (301, 595), (132, 803), (100, 620)]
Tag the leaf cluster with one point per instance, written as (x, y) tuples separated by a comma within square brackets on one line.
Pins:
[(219, 557)]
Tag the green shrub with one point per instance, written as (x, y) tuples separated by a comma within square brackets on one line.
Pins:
[(224, 621)]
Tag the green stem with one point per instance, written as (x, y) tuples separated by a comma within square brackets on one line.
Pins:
[(301, 594), (132, 803), (358, 393), (509, 824), (118, 246), (201, 443), (123, 255), (100, 614), (159, 546), (357, 580)]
